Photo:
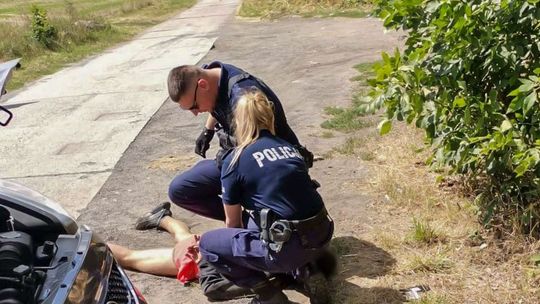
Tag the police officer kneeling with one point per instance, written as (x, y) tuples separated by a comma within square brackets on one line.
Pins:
[(288, 226)]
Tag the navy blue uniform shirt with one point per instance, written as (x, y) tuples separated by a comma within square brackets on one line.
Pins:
[(270, 174), (223, 111)]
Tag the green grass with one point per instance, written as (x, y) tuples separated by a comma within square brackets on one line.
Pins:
[(364, 71), (344, 119), (48, 62), (84, 28), (349, 119), (307, 8), (367, 155), (429, 263), (430, 298), (351, 145), (423, 232), (327, 134)]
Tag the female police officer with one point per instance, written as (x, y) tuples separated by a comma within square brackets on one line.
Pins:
[(267, 177)]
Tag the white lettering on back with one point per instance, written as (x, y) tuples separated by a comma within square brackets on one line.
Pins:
[(273, 154), (259, 157), (277, 154), (269, 155), (289, 151)]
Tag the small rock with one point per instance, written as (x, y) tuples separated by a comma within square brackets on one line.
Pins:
[(318, 158)]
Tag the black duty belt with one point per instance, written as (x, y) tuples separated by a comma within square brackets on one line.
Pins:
[(276, 232), (312, 222)]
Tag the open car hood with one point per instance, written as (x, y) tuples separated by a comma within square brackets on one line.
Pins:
[(5, 72)]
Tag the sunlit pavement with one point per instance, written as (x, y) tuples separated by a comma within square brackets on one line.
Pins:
[(72, 127)]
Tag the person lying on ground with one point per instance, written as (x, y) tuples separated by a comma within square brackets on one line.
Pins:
[(181, 261)]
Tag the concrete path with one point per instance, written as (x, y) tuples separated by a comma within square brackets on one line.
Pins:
[(71, 128)]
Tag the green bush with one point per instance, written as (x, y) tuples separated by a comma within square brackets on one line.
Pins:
[(470, 77), (42, 30)]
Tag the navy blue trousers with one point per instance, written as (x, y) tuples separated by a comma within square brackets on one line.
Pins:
[(198, 190), (243, 258)]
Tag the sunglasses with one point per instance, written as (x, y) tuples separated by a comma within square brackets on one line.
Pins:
[(194, 106)]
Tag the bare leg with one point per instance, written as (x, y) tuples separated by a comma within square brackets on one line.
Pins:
[(179, 230), (153, 261)]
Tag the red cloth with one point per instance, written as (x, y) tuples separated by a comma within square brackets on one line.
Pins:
[(186, 258)]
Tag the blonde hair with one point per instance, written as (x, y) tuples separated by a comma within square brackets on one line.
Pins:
[(253, 113)]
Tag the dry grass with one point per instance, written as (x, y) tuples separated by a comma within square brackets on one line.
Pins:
[(432, 231), (427, 222), (327, 134), (306, 8), (427, 263), (173, 163)]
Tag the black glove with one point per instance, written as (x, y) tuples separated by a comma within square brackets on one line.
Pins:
[(306, 155), (202, 144)]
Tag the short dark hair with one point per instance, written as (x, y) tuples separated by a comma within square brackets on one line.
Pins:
[(180, 78)]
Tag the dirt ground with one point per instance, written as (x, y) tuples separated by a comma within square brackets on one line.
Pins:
[(308, 63)]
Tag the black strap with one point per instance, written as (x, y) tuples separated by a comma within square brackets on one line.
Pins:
[(236, 79), (264, 223), (244, 75), (312, 222)]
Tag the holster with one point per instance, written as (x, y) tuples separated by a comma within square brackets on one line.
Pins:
[(276, 232)]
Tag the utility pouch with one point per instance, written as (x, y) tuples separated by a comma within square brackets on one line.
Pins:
[(305, 228)]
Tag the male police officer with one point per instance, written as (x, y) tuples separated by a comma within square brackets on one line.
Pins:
[(215, 88)]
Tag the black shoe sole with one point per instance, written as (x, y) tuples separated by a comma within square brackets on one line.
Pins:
[(147, 221)]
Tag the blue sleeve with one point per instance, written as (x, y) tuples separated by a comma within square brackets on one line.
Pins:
[(283, 130), (231, 184)]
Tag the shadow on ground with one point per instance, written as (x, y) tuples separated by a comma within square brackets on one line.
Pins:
[(358, 258)]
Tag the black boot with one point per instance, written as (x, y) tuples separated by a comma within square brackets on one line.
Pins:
[(313, 283), (326, 263), (317, 288), (218, 288), (226, 291), (267, 293)]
